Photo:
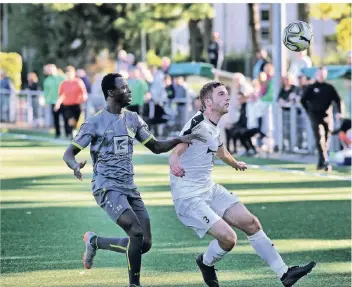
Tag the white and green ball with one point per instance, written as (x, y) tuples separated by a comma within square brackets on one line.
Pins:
[(297, 36)]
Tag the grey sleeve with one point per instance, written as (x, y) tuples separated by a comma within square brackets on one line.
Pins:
[(84, 136), (143, 134)]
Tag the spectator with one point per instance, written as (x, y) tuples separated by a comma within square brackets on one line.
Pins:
[(96, 99), (83, 76), (138, 88), (317, 101), (269, 93), (7, 98), (215, 54), (122, 62), (262, 57), (51, 93), (285, 99), (32, 85), (157, 88), (263, 81), (181, 102), (300, 62), (72, 93)]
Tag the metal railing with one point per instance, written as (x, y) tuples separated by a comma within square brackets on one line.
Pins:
[(289, 130)]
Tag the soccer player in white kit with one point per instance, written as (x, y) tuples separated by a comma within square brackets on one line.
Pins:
[(207, 207)]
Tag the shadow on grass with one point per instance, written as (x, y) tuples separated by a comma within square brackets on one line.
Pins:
[(55, 234), (68, 180)]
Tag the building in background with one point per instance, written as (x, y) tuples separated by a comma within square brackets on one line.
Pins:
[(232, 22)]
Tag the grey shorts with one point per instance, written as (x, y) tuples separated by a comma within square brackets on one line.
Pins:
[(115, 203)]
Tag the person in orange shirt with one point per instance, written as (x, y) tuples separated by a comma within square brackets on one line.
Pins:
[(72, 93)]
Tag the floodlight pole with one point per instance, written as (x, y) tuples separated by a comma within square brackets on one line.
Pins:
[(280, 64)]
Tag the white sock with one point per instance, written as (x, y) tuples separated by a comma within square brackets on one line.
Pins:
[(214, 253), (268, 252)]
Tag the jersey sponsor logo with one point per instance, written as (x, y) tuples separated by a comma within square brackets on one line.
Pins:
[(121, 145), (211, 151)]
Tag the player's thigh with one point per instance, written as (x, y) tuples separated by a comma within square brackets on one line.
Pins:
[(221, 200), (196, 213), (240, 217), (142, 213), (116, 205)]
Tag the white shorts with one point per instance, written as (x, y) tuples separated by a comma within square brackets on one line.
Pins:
[(201, 212)]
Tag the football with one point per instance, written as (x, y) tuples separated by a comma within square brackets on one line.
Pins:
[(297, 36)]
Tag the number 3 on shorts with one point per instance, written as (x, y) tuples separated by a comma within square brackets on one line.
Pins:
[(206, 219)]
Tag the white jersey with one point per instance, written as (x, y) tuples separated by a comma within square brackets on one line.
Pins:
[(198, 159)]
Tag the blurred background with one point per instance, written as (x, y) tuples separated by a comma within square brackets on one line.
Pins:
[(167, 52)]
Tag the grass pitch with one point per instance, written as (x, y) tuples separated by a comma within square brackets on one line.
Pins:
[(45, 211)]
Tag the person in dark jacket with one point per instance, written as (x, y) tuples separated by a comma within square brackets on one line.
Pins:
[(317, 101)]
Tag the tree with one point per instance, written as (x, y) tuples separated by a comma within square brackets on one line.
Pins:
[(303, 15), (254, 24), (340, 12)]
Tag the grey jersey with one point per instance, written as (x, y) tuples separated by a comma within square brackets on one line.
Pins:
[(111, 138)]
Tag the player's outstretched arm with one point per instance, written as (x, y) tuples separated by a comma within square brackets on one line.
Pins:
[(227, 158), (161, 146), (69, 158)]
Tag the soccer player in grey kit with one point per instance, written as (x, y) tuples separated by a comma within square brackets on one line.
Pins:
[(111, 132)]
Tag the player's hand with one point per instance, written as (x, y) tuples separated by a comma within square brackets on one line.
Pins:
[(177, 170), (240, 165), (77, 170), (188, 139)]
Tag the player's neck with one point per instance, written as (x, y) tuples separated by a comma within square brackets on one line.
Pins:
[(213, 117), (113, 108)]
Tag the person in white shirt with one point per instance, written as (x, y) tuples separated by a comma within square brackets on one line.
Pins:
[(207, 207), (301, 61)]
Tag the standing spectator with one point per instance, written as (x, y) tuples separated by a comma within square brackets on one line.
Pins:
[(32, 85), (301, 61), (122, 63), (269, 93), (157, 88), (181, 102), (317, 101), (96, 99), (51, 93), (285, 98), (139, 89), (72, 93), (262, 57), (83, 76), (7, 98), (215, 51)]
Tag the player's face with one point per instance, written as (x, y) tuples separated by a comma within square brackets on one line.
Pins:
[(122, 93), (221, 100)]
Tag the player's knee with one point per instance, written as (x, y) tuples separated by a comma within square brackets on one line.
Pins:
[(147, 245), (254, 226), (229, 241)]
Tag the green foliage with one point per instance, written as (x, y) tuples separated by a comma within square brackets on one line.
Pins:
[(152, 59), (180, 57), (331, 58), (341, 12), (11, 63)]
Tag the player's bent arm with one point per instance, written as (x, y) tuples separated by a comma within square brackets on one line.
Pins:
[(226, 157), (176, 153), (69, 156)]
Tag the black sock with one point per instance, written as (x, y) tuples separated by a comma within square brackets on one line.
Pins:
[(134, 258), (114, 243)]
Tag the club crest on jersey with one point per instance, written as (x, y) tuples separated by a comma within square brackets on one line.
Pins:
[(121, 145)]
